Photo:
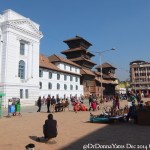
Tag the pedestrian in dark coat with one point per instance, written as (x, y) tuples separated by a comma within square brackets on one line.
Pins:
[(53, 103), (50, 127), (48, 103), (39, 104), (90, 100)]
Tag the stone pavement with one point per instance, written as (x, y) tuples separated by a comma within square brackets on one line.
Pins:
[(74, 131)]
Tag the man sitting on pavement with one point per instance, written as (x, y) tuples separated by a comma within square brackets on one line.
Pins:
[(49, 128)]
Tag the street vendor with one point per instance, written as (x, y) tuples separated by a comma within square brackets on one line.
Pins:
[(132, 113), (132, 97)]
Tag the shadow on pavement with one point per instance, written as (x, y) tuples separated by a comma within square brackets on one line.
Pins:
[(114, 136), (42, 140), (34, 138)]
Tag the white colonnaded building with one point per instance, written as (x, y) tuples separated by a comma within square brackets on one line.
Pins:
[(59, 77), (26, 74)]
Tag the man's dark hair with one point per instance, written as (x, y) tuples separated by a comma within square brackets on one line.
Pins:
[(50, 116)]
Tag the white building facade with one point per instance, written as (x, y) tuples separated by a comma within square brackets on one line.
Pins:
[(19, 58), (21, 74), (62, 78)]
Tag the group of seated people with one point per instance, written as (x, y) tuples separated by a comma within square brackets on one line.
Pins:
[(132, 113), (79, 106), (62, 105)]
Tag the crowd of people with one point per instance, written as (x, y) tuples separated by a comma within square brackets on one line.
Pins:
[(135, 104), (57, 104), (78, 104), (50, 126), (53, 104)]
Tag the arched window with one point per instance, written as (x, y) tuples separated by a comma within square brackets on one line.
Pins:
[(58, 76), (40, 84), (21, 93), (65, 77), (71, 78), (71, 87), (49, 85), (76, 87), (22, 48), (58, 86), (64, 66), (21, 69), (65, 87), (70, 68), (50, 75), (26, 93), (76, 79), (40, 73)]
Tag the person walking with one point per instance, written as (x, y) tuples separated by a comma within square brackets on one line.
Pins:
[(53, 103), (48, 100), (117, 101), (58, 99), (39, 104), (138, 97), (44, 100), (90, 99)]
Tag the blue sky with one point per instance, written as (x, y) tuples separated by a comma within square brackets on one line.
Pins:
[(123, 24)]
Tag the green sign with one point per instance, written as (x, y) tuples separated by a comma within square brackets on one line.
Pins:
[(1, 95)]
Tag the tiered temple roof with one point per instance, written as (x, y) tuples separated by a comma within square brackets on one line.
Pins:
[(105, 65), (78, 52), (91, 80), (77, 42)]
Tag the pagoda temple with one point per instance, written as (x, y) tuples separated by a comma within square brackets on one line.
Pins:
[(79, 54), (108, 78), (91, 80)]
